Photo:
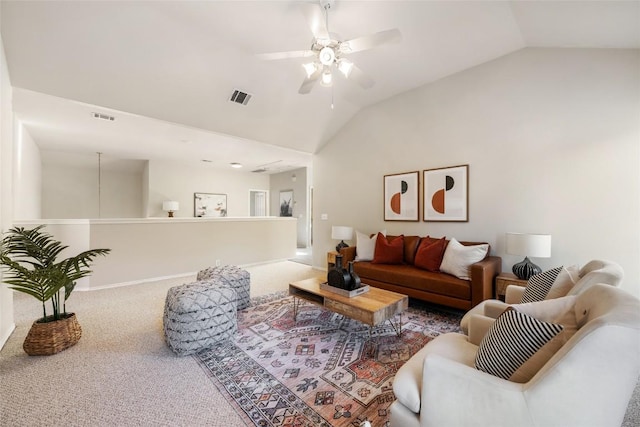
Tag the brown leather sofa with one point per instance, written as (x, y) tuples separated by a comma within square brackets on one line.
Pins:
[(435, 287)]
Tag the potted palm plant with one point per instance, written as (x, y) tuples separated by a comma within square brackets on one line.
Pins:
[(30, 258)]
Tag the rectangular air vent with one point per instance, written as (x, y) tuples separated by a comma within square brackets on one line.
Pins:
[(102, 116), (240, 97)]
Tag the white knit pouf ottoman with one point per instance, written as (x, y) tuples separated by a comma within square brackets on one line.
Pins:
[(231, 276), (198, 316)]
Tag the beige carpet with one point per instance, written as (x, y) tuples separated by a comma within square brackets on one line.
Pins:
[(121, 373)]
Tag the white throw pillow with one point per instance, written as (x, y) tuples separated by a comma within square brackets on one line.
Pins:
[(458, 258), (366, 246), (565, 281)]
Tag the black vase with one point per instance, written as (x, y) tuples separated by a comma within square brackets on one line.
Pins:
[(525, 269), (354, 283), (338, 276)]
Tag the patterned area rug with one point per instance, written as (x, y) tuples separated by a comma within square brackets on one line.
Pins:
[(323, 370)]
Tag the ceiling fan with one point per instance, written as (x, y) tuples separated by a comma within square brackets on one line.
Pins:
[(328, 51)]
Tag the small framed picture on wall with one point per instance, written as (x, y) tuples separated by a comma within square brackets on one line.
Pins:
[(286, 203), (401, 192), (209, 205), (446, 194)]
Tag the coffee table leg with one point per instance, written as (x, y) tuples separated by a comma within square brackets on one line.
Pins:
[(373, 343), (397, 327), (296, 306)]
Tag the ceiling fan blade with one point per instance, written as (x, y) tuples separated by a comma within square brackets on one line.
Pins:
[(371, 41), (359, 76), (286, 55), (316, 19), (310, 81)]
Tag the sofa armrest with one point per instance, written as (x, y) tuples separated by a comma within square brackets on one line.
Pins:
[(486, 401), (348, 255), (482, 275), (479, 325), (514, 294), (494, 308)]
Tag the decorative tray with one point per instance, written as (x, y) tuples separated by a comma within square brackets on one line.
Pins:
[(345, 293)]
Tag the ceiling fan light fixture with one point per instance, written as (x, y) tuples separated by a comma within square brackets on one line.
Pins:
[(327, 56), (327, 78), (310, 68), (345, 66)]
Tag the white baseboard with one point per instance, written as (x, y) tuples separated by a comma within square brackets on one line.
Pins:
[(175, 276), (137, 282)]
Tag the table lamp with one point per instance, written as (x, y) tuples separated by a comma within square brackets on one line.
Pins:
[(528, 245), (341, 233), (170, 206)]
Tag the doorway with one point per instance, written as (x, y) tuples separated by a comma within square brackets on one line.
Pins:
[(258, 203)]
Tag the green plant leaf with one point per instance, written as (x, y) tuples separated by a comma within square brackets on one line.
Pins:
[(29, 258)]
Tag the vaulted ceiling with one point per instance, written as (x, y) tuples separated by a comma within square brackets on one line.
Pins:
[(166, 69)]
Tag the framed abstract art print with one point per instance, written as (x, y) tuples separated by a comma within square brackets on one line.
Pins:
[(446, 194), (401, 195)]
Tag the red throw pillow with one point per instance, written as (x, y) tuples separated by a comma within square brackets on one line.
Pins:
[(388, 252), (429, 254)]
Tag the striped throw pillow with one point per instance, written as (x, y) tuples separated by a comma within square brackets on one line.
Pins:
[(538, 286), (512, 339)]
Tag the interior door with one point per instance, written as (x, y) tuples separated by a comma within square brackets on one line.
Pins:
[(258, 203)]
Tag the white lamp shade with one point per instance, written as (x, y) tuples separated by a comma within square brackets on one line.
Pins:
[(341, 233), (530, 245), (170, 206)]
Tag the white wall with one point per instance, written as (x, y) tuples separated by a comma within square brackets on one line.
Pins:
[(179, 181), (284, 181), (151, 249), (70, 187), (552, 139), (27, 175), (6, 191)]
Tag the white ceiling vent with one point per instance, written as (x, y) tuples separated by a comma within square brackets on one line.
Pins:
[(263, 168), (240, 97), (103, 117)]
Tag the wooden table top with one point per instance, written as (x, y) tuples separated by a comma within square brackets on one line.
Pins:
[(373, 300)]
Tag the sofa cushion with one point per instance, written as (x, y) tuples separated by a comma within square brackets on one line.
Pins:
[(389, 251), (458, 258), (409, 276), (512, 339), (410, 246), (538, 285), (366, 245), (429, 254)]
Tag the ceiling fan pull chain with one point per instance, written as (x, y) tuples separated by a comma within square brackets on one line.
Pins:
[(332, 97)]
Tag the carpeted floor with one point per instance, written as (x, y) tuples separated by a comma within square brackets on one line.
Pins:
[(322, 369), (121, 373)]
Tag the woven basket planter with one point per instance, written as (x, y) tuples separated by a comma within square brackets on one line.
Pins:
[(49, 338)]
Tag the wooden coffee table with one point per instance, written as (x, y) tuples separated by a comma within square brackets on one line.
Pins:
[(372, 308)]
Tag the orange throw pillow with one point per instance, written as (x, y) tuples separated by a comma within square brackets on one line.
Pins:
[(429, 254), (388, 252)]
